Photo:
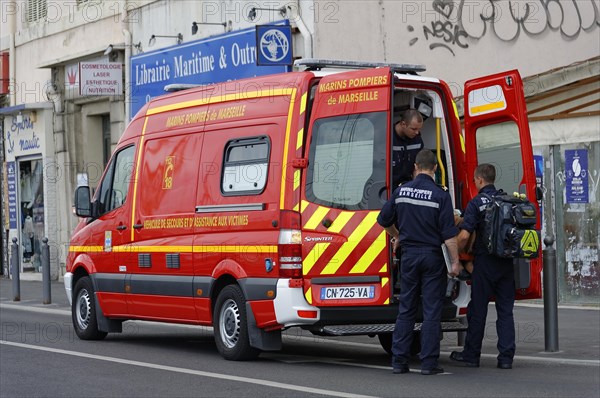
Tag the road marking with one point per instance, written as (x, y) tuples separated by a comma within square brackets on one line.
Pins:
[(314, 339), (221, 376)]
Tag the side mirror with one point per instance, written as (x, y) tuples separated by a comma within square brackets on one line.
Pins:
[(83, 204)]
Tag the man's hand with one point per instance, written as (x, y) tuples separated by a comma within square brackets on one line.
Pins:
[(456, 268), (395, 244)]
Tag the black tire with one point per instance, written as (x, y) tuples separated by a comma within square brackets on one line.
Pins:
[(385, 339), (83, 311), (230, 323)]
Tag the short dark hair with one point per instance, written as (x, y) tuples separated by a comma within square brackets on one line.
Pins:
[(410, 114), (426, 160), (487, 172)]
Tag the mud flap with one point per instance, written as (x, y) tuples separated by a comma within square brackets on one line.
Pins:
[(259, 338), (105, 324)]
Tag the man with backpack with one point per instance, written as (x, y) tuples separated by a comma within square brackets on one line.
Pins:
[(492, 276)]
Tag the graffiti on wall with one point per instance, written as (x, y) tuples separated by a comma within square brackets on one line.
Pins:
[(456, 22)]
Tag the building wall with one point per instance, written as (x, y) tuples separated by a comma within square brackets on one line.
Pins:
[(460, 40)]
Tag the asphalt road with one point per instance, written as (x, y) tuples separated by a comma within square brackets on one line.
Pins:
[(40, 356)]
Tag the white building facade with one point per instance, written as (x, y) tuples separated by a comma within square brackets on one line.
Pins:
[(61, 135)]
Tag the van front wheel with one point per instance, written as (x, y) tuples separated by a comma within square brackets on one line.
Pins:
[(83, 311), (231, 325)]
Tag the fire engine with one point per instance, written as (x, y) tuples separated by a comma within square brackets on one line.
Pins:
[(250, 206)]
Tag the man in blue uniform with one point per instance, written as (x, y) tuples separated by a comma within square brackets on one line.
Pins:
[(424, 216), (492, 276), (407, 143)]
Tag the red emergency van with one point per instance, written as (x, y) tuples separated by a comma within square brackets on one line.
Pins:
[(251, 205)]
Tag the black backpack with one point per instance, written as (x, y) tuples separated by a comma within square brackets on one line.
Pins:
[(509, 226)]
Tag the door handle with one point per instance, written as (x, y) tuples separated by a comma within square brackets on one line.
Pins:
[(121, 228), (138, 226)]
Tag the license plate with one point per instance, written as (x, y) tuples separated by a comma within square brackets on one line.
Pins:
[(347, 292)]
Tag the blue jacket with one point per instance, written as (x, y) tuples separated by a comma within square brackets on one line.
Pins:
[(474, 215), (422, 212)]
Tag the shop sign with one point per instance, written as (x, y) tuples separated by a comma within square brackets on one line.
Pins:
[(226, 57), (100, 78), (21, 135), (11, 179)]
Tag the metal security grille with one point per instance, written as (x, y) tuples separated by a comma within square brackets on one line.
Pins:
[(36, 10)]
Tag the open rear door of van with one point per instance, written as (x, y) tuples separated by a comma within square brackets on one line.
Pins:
[(497, 132), (345, 252)]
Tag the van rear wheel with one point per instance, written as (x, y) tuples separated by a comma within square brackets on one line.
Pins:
[(230, 323), (83, 311)]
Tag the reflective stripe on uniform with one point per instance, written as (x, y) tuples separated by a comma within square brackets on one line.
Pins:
[(418, 202)]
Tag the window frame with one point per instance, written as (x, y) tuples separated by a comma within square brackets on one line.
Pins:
[(107, 185), (379, 147), (245, 141)]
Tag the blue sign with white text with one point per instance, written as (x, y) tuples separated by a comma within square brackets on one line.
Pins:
[(230, 56), (11, 179), (576, 173), (274, 45)]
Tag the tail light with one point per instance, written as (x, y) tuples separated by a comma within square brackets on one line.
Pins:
[(290, 245)]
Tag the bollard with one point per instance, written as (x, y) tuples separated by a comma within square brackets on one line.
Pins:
[(14, 269), (550, 296), (46, 298)]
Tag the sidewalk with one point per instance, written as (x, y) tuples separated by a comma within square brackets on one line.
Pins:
[(579, 327)]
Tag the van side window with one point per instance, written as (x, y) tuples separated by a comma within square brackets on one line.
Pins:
[(115, 185), (347, 161), (245, 166)]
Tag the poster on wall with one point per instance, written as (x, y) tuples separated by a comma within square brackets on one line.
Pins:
[(11, 179), (538, 160), (576, 172)]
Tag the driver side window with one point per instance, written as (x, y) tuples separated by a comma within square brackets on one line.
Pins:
[(115, 185)]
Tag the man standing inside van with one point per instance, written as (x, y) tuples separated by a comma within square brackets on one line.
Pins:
[(407, 142), (425, 219)]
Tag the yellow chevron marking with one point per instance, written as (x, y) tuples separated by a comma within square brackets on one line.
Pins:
[(475, 110), (152, 249), (313, 256), (88, 249), (300, 139), (304, 205), (296, 208), (136, 178), (353, 241), (340, 222), (387, 301), (178, 249), (286, 145), (384, 268), (367, 258), (384, 281), (296, 179), (308, 295), (241, 96), (235, 249), (303, 103), (316, 218)]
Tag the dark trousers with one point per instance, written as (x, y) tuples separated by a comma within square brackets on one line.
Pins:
[(492, 276), (423, 272)]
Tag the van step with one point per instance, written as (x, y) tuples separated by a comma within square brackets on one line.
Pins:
[(355, 330)]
